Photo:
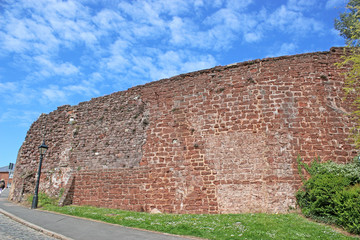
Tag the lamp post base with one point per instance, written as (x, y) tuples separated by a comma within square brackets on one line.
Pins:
[(34, 202)]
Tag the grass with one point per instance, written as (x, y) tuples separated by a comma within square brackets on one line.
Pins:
[(221, 226)]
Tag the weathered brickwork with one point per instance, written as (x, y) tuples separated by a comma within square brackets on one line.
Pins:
[(221, 140)]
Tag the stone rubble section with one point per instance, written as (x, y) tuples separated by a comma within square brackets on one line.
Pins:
[(220, 140)]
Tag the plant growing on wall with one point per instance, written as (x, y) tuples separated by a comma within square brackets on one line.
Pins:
[(349, 26)]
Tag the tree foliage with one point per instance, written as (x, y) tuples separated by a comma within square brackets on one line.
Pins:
[(348, 23), (349, 26)]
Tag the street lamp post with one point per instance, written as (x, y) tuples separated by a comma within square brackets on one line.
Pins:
[(42, 150)]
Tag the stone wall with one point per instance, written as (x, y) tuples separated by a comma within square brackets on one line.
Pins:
[(221, 140)]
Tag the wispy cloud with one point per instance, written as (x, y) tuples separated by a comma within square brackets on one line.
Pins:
[(20, 117), (336, 4), (283, 49), (65, 42), (86, 88), (7, 86), (53, 93), (301, 5), (49, 68), (293, 21)]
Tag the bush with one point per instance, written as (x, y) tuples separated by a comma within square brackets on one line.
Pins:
[(332, 193), (350, 171), (347, 208), (317, 196)]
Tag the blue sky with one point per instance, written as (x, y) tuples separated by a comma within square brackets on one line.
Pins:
[(54, 53)]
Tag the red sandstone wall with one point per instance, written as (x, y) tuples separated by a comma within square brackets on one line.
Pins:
[(221, 140)]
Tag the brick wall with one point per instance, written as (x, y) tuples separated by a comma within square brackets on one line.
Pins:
[(5, 176), (221, 140)]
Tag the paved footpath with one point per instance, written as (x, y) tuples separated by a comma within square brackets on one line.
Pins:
[(13, 230), (67, 227)]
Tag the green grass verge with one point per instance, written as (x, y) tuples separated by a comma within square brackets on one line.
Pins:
[(221, 226)]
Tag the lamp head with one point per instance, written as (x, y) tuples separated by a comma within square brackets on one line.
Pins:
[(43, 148)]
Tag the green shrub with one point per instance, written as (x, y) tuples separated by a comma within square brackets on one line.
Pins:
[(351, 171), (332, 193), (311, 169), (347, 208), (317, 196)]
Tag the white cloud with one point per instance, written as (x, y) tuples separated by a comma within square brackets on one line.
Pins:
[(285, 49), (228, 18), (65, 42), (89, 38), (178, 31), (145, 12), (116, 63), (335, 4), (84, 88), (20, 29), (198, 3), (301, 5), (252, 36), (65, 69), (53, 94), (15, 92), (23, 118), (290, 21), (7, 86), (9, 43), (193, 64), (108, 19), (96, 77), (238, 4), (50, 68), (282, 17), (51, 23), (22, 94), (172, 8), (173, 63), (66, 25), (156, 64), (169, 57), (119, 47)]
